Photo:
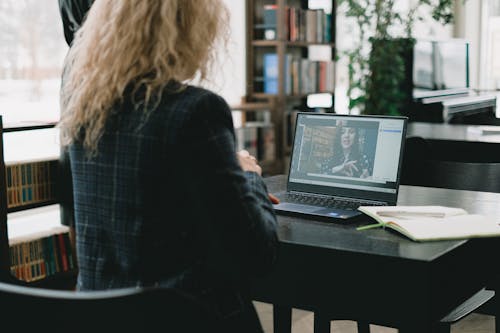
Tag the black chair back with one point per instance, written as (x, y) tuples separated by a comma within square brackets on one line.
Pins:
[(425, 165), (28, 309)]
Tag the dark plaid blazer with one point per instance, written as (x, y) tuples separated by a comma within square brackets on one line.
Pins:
[(164, 202)]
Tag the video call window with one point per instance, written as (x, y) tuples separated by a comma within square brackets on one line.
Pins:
[(344, 150)]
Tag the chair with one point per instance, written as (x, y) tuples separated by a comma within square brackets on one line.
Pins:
[(424, 164), (28, 309)]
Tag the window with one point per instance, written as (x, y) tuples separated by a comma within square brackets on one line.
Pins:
[(490, 79), (32, 50)]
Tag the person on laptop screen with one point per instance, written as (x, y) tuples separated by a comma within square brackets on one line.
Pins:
[(348, 158)]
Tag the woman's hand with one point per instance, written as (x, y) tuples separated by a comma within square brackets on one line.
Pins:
[(350, 168), (347, 169), (248, 162)]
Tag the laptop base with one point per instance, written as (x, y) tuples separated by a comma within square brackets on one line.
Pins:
[(329, 214)]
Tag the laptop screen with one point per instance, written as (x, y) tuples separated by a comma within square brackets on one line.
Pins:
[(352, 156)]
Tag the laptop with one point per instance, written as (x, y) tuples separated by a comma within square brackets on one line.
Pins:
[(340, 162)]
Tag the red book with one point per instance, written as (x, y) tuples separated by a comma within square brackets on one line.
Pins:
[(63, 254)]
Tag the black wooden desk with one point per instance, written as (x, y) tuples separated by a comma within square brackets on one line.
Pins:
[(377, 275)]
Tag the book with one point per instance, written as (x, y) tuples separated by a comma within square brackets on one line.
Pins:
[(270, 73), (270, 22), (431, 223)]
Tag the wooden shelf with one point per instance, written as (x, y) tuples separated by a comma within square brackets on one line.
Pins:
[(31, 206), (252, 107), (265, 43), (27, 126), (264, 95), (300, 44), (271, 43)]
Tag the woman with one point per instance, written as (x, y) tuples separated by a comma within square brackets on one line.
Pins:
[(161, 197), (347, 160)]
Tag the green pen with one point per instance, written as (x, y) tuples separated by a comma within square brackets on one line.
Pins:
[(370, 226)]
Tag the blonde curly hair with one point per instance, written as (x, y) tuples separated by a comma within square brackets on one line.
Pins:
[(127, 44)]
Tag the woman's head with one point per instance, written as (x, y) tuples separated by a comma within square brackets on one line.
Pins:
[(348, 137), (346, 144), (143, 43)]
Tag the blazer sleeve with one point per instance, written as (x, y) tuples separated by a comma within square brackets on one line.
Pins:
[(237, 213)]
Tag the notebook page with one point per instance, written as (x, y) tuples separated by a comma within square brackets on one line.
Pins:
[(454, 227)]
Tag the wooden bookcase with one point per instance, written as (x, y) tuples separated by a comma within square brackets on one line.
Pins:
[(33, 198), (286, 48), (250, 112)]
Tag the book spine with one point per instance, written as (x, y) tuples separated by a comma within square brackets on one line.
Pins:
[(19, 253), (63, 253), (55, 253), (17, 198), (26, 262), (29, 182), (50, 255), (288, 74), (270, 73), (41, 258), (320, 14), (311, 26), (270, 22), (13, 260), (69, 251)]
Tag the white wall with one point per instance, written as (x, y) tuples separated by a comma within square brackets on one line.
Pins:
[(229, 77), (468, 26)]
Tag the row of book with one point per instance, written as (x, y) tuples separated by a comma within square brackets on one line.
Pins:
[(302, 76), (308, 25), (30, 183), (302, 25), (258, 138), (36, 259)]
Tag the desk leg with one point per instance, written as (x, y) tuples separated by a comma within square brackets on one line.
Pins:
[(282, 319), (363, 326), (321, 323), (435, 328)]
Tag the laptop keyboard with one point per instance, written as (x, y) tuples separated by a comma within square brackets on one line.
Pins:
[(328, 202)]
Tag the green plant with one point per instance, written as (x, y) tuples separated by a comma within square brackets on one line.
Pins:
[(376, 67)]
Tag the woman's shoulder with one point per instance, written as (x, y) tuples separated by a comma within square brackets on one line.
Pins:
[(195, 100), (191, 94)]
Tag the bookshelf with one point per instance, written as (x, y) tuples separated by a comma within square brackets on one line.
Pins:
[(256, 132), (283, 39), (35, 247)]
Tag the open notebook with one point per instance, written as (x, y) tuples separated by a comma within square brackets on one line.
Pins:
[(428, 223)]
